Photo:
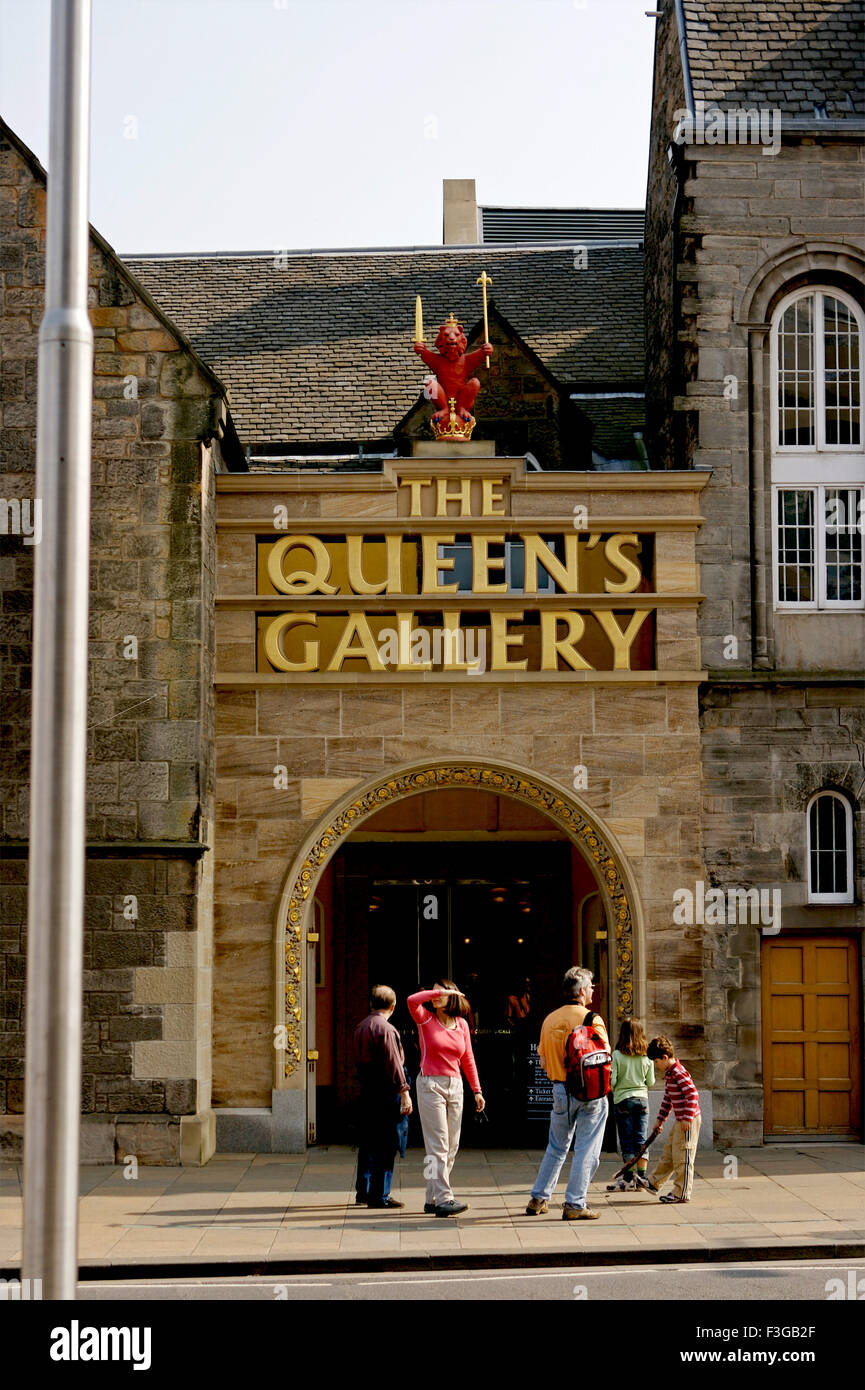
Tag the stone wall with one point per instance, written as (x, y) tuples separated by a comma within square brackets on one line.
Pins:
[(150, 714), (767, 749), (643, 784), (759, 225)]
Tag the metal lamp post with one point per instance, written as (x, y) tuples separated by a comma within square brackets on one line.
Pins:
[(55, 908)]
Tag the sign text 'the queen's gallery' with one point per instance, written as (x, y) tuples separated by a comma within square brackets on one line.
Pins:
[(457, 591)]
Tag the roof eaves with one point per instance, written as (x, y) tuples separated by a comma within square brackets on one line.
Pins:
[(602, 243), (850, 126)]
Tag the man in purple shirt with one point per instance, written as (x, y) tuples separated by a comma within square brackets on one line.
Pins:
[(384, 1097)]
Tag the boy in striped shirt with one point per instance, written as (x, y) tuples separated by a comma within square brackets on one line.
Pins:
[(680, 1150)]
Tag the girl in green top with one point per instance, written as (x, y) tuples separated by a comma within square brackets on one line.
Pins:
[(631, 1075)]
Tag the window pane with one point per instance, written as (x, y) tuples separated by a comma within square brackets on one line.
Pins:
[(828, 830), (796, 373), (516, 567), (796, 546), (841, 345), (843, 544), (461, 574)]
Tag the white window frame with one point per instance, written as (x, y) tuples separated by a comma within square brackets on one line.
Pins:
[(818, 357), (826, 899), (820, 603), (818, 466)]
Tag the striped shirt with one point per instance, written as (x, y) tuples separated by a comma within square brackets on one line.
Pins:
[(680, 1096)]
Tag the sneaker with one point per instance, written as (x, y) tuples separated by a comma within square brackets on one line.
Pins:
[(388, 1202), (361, 1201), (579, 1214), (618, 1186), (670, 1199), (451, 1208), (642, 1183), (537, 1206), (429, 1208)]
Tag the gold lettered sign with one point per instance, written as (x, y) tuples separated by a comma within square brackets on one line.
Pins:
[(428, 598)]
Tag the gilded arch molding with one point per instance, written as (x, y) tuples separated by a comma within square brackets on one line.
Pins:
[(538, 793)]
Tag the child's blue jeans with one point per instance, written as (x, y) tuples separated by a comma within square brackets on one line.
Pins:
[(632, 1124)]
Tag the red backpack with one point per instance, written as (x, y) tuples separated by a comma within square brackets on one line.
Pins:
[(587, 1062)]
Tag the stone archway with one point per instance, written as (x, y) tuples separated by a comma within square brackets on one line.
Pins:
[(578, 821)]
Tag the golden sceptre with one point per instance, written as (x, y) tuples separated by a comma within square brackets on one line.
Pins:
[(483, 280), (418, 321)]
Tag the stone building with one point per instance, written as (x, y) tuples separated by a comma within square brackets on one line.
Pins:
[(754, 309), (161, 430), (398, 708)]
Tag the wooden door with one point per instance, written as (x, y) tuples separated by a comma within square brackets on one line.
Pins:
[(811, 1036)]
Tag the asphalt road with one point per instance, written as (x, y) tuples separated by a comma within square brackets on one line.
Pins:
[(734, 1283)]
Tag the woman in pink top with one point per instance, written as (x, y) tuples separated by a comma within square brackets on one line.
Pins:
[(445, 1048)]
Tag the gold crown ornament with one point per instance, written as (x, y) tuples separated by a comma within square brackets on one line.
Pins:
[(454, 428)]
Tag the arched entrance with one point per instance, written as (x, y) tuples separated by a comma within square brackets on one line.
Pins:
[(299, 959)]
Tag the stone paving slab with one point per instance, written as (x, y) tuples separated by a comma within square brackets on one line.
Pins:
[(274, 1207)]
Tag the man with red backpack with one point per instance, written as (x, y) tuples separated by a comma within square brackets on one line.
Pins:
[(575, 1053)]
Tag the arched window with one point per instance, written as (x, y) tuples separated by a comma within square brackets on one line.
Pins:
[(818, 453), (830, 849)]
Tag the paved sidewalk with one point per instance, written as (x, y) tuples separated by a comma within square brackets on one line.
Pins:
[(276, 1207)]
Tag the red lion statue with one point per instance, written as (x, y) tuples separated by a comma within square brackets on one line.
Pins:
[(452, 367)]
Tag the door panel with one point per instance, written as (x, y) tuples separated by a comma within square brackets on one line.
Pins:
[(790, 1110), (789, 1061), (811, 1036), (786, 964), (831, 965), (788, 1012), (831, 1012)]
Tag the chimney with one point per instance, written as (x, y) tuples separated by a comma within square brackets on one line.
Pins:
[(461, 221)]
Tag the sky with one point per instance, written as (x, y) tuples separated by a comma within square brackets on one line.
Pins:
[(257, 125)]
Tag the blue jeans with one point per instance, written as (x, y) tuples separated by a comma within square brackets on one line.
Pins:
[(632, 1123), (382, 1131), (582, 1121)]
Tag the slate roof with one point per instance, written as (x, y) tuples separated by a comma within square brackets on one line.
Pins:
[(787, 54), (319, 348)]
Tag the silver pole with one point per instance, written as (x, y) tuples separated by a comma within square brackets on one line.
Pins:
[(55, 906)]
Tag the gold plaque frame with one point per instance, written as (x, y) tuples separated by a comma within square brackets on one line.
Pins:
[(545, 797)]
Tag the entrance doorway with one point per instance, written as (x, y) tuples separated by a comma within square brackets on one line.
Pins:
[(811, 1037), (496, 921), (503, 920)]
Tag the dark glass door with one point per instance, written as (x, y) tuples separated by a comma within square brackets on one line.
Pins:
[(499, 922)]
